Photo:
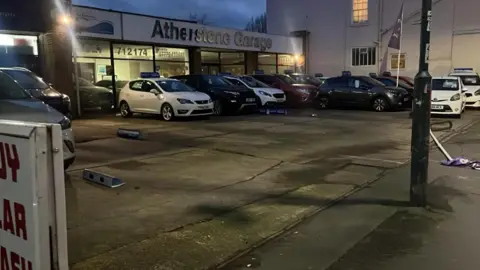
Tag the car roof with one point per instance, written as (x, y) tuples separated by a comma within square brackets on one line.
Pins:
[(445, 78), (15, 68)]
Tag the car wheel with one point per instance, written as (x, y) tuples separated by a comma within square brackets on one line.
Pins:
[(125, 109), (67, 163), (167, 112), (380, 104), (217, 107), (323, 102)]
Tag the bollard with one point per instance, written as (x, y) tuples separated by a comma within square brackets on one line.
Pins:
[(130, 134)]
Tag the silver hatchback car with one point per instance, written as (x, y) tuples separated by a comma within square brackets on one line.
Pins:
[(18, 105)]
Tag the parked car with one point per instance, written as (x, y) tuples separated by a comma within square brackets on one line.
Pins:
[(267, 96), (227, 98), (405, 79), (320, 77), (94, 97), (297, 94), (39, 89), (361, 91), (471, 81), (18, 105), (390, 81), (448, 96), (169, 98), (119, 85), (305, 79)]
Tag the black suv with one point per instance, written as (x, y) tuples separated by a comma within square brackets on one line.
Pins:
[(227, 98), (361, 91), (36, 87)]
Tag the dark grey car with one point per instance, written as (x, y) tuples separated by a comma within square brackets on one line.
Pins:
[(361, 91)]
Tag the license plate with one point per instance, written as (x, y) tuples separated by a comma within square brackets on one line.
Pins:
[(437, 107), (250, 100), (203, 107)]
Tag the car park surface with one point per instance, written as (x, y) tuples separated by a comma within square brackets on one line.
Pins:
[(202, 190)]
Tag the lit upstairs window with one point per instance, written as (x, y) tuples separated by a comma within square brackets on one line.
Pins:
[(359, 11)]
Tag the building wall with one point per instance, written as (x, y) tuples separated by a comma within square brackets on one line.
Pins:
[(455, 32)]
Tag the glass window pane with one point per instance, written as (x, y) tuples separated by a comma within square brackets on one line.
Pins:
[(210, 57), (232, 58), (282, 69), (93, 48), (171, 54), (268, 69), (131, 69), (138, 52), (267, 59), (94, 69), (234, 69), (286, 60), (169, 69)]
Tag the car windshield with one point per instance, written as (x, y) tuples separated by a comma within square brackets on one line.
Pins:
[(445, 85), (407, 80), (287, 79), (174, 86), (470, 80), (306, 79), (27, 79), (9, 89), (393, 82), (252, 82), (216, 81)]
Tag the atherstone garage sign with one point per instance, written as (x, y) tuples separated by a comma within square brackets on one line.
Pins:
[(169, 30)]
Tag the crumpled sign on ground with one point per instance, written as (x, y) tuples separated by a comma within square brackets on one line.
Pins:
[(462, 162)]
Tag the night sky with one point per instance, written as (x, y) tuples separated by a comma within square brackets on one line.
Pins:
[(223, 13)]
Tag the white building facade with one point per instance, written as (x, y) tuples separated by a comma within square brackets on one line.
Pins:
[(353, 35)]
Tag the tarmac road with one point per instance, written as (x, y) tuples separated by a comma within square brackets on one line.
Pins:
[(199, 191)]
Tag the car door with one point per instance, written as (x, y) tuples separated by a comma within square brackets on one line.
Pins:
[(150, 101), (360, 91), (339, 91), (133, 95)]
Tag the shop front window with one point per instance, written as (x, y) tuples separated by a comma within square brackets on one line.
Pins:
[(171, 61), (286, 62), (93, 58), (267, 62), (19, 51), (232, 62), (210, 57), (131, 60)]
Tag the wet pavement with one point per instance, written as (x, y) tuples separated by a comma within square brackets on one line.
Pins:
[(199, 191), (377, 229)]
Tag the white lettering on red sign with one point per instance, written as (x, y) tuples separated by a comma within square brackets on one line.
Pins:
[(13, 217)]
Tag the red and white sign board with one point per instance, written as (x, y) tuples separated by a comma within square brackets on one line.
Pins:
[(32, 197)]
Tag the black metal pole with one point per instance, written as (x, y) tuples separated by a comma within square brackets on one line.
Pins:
[(421, 114)]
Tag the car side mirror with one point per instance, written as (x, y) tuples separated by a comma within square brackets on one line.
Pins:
[(154, 91)]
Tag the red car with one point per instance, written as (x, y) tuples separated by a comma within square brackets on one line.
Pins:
[(409, 81), (297, 94)]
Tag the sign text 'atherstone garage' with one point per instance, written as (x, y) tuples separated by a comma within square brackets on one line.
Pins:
[(168, 30)]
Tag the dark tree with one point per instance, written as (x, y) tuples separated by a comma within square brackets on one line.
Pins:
[(257, 24)]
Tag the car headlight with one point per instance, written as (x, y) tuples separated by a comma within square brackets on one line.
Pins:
[(210, 100), (477, 93), (455, 97), (232, 93), (265, 93), (65, 98), (184, 101), (65, 123), (393, 92)]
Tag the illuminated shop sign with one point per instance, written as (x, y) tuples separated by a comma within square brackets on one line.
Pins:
[(169, 30)]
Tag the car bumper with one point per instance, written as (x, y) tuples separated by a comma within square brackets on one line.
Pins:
[(473, 102), (271, 100), (446, 107), (401, 101), (186, 110), (68, 144)]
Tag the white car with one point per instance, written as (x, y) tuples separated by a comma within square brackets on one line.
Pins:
[(448, 96), (169, 98), (268, 96), (471, 81), (18, 105)]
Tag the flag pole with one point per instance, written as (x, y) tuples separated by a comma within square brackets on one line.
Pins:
[(400, 49)]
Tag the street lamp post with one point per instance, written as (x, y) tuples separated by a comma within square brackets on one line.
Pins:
[(421, 114)]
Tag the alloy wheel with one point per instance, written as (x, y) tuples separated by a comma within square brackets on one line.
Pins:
[(323, 103), (379, 104), (217, 107), (167, 112), (124, 110)]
